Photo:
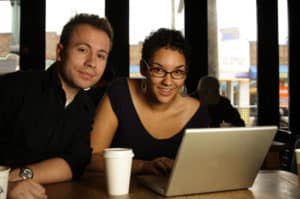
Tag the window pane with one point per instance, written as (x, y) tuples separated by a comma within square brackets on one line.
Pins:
[(236, 26), (283, 62), (58, 13), (9, 36), (147, 16)]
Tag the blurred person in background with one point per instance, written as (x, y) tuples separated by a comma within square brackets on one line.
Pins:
[(221, 111)]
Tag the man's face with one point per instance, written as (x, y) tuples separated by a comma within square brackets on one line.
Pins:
[(84, 59)]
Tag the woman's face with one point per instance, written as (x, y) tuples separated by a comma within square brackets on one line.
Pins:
[(166, 89)]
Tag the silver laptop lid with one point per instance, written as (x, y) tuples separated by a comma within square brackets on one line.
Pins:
[(219, 159)]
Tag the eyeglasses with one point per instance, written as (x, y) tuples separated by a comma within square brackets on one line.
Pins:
[(159, 72)]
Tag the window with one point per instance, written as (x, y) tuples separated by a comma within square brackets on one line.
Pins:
[(236, 22), (9, 35), (283, 62), (236, 27)]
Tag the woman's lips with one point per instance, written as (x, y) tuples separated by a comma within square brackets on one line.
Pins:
[(165, 91)]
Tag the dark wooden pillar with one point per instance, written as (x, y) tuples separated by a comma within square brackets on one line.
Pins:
[(117, 13), (32, 35), (267, 63), (196, 34), (294, 64)]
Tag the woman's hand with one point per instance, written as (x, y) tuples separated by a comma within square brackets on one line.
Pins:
[(158, 166), (26, 189)]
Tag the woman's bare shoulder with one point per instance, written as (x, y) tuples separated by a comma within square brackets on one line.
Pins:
[(191, 101)]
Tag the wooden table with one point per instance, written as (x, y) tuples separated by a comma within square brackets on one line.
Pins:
[(268, 185)]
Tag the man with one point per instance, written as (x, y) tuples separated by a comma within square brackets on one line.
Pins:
[(221, 111), (46, 116)]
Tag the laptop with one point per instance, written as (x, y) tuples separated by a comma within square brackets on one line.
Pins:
[(214, 159)]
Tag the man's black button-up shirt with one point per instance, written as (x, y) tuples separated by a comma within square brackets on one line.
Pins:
[(35, 125)]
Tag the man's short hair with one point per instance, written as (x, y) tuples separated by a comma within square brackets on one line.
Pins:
[(100, 23)]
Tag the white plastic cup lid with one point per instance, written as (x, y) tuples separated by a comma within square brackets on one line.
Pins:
[(4, 168), (117, 152)]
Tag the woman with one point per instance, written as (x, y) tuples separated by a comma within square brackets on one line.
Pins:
[(149, 115)]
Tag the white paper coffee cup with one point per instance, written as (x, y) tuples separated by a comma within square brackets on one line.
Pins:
[(4, 173), (118, 163)]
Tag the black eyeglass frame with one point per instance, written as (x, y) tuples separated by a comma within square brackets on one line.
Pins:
[(165, 73)]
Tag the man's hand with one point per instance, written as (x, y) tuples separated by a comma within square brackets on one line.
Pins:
[(26, 189)]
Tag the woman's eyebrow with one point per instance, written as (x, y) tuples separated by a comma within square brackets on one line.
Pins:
[(160, 65)]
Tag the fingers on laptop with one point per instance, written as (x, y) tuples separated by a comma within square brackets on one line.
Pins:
[(158, 166), (150, 168), (163, 166)]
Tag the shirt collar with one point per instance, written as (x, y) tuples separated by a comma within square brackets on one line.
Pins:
[(52, 78)]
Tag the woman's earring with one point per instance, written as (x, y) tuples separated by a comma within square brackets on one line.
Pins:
[(143, 85), (184, 90)]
